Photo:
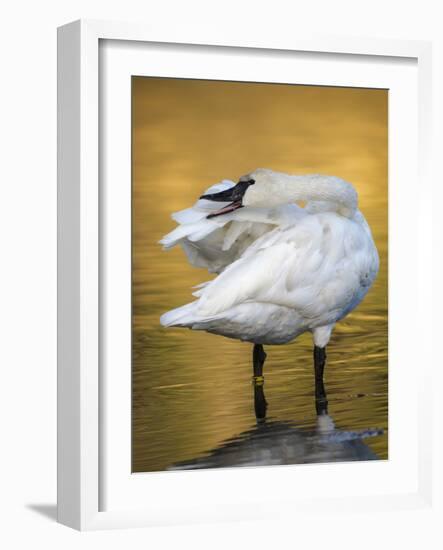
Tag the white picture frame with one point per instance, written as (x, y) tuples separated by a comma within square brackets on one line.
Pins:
[(83, 442)]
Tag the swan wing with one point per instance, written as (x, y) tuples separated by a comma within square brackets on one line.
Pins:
[(321, 267), (217, 242)]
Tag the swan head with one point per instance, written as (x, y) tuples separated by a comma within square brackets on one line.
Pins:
[(266, 191), (264, 188), (254, 189)]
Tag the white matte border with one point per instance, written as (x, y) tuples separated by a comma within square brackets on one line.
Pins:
[(231, 491)]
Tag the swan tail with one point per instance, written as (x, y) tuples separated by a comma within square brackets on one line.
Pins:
[(178, 317), (187, 316)]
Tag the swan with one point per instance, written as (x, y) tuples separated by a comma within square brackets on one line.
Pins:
[(282, 269)]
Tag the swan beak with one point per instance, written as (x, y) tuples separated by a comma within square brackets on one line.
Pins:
[(233, 195)]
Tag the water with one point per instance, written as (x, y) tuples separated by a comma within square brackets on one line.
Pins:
[(193, 401)]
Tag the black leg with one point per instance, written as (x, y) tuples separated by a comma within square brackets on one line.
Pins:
[(260, 404), (258, 360), (321, 402)]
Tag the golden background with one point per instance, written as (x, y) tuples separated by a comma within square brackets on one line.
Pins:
[(192, 390)]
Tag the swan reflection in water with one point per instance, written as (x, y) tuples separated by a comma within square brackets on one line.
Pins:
[(278, 443)]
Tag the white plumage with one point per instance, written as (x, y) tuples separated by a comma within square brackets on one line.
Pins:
[(282, 269)]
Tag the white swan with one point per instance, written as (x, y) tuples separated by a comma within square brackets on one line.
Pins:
[(283, 269)]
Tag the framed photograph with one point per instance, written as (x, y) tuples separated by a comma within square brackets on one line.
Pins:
[(233, 276)]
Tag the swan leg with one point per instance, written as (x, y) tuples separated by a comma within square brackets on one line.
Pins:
[(321, 402), (258, 360), (321, 337), (260, 403), (319, 362)]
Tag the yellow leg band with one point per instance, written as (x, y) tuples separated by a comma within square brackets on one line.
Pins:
[(258, 380)]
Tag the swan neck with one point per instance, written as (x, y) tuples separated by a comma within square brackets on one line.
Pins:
[(337, 193)]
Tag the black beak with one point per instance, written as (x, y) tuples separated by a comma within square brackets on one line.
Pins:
[(234, 194)]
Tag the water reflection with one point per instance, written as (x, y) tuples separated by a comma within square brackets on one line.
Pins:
[(278, 443)]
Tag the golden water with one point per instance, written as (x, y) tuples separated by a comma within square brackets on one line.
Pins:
[(192, 390)]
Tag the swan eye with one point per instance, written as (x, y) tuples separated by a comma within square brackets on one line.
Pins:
[(251, 182)]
